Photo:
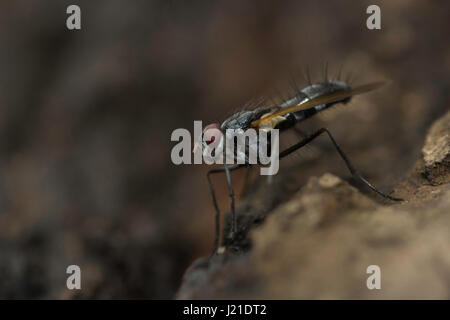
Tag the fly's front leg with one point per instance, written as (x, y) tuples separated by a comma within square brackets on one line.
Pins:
[(227, 171), (231, 194), (217, 214)]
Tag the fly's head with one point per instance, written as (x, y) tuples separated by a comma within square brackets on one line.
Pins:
[(212, 136), (211, 140)]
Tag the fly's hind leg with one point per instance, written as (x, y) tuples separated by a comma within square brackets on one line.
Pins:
[(350, 166)]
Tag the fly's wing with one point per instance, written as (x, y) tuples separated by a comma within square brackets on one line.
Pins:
[(328, 98)]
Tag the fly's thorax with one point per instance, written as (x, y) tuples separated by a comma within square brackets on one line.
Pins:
[(247, 146), (243, 119)]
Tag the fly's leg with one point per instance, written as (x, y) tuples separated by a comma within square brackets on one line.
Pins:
[(350, 166), (233, 212), (217, 215), (227, 170)]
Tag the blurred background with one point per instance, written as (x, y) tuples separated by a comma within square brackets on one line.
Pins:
[(86, 118)]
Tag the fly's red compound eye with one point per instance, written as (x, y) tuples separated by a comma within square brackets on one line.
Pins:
[(211, 140), (212, 134)]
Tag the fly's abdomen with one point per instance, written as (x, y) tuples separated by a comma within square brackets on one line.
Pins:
[(314, 91)]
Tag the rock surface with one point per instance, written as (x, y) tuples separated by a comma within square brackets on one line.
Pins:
[(436, 152), (319, 243)]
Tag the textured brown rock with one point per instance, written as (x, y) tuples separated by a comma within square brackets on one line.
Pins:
[(318, 244), (436, 152)]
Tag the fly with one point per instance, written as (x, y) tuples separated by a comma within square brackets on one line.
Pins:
[(305, 104)]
